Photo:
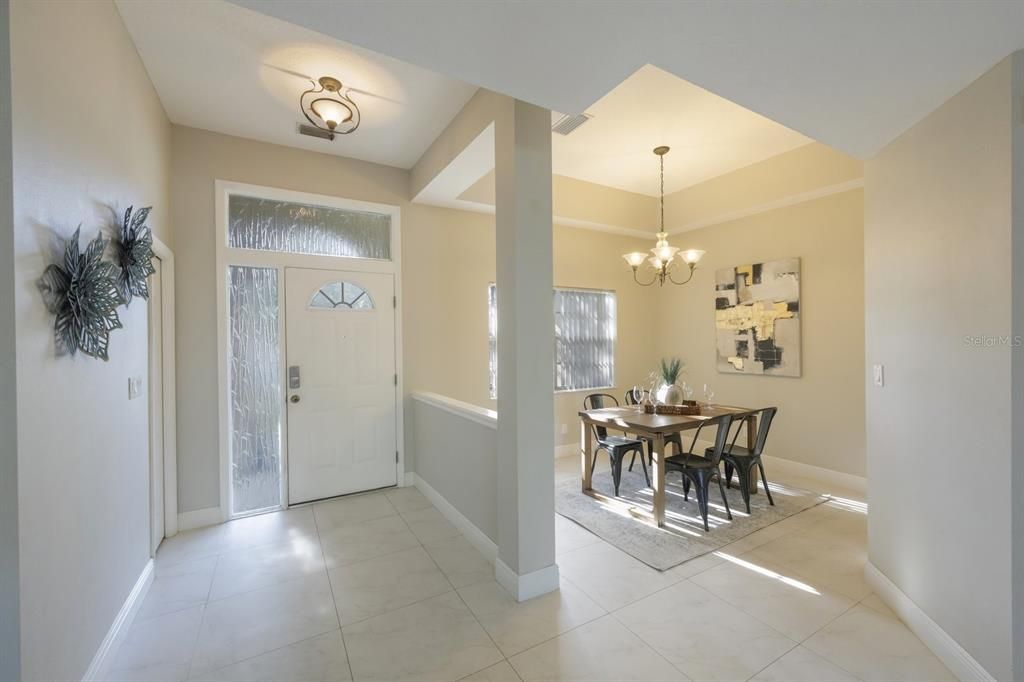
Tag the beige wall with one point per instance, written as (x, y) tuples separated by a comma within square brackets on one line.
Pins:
[(83, 446), (584, 201), (800, 173), (448, 261), (821, 413), (446, 309), (938, 269), (199, 158)]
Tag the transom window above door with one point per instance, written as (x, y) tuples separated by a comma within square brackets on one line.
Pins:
[(290, 227), (343, 296)]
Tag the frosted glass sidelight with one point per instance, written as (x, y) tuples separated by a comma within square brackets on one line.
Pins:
[(255, 389), (585, 329), (271, 225), (341, 295)]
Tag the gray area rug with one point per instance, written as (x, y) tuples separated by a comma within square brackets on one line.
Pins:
[(621, 521)]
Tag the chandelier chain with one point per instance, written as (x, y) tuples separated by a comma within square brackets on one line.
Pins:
[(662, 158)]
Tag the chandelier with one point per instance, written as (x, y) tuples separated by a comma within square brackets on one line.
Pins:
[(664, 255), (329, 110)]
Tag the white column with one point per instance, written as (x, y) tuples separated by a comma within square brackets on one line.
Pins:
[(526, 435)]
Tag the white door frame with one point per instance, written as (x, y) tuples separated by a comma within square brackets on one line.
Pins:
[(226, 256), (169, 416)]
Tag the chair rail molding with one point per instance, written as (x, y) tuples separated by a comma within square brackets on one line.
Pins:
[(480, 415)]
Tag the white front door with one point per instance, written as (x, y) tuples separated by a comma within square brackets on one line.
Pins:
[(340, 382)]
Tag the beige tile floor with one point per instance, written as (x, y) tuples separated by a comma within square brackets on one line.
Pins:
[(382, 587)]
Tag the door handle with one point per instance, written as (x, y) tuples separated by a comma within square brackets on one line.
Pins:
[(294, 399)]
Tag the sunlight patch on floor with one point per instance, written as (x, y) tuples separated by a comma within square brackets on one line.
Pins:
[(792, 582), (848, 504)]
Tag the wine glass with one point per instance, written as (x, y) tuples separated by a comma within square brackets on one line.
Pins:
[(709, 394), (687, 391), (638, 395)]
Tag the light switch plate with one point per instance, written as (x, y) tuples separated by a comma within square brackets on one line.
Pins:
[(879, 375), (134, 387)]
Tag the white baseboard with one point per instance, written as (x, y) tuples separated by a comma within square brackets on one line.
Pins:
[(100, 665), (199, 518), (952, 655), (789, 467), (837, 478), (476, 537), (409, 479), (527, 586), (567, 450)]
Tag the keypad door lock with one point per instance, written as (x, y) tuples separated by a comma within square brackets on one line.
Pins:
[(294, 380)]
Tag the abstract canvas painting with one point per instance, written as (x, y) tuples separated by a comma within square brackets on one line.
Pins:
[(757, 318)]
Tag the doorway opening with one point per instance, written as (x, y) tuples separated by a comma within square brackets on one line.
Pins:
[(163, 477), (309, 348)]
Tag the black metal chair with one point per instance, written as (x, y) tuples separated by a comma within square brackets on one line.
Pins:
[(743, 460), (671, 439), (617, 447), (700, 471)]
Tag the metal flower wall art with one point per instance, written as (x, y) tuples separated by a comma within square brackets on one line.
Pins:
[(83, 295), (134, 249)]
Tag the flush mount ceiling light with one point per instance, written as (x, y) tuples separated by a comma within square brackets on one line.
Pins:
[(328, 109), (665, 256)]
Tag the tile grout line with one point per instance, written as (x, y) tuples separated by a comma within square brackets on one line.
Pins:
[(421, 545), (330, 585), (202, 619), (649, 646), (473, 615), (327, 572), (688, 579), (801, 643)]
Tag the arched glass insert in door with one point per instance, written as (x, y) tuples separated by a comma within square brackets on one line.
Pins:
[(341, 295)]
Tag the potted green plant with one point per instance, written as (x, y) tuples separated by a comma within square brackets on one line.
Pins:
[(669, 392)]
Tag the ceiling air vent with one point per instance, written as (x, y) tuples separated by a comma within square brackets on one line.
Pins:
[(304, 129), (569, 123)]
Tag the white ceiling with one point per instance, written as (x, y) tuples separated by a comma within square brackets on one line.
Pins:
[(708, 136), (224, 68), (851, 74)]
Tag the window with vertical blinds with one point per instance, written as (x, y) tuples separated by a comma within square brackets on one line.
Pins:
[(584, 339)]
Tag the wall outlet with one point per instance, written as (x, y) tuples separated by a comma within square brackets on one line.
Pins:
[(565, 429), (879, 375), (134, 387)]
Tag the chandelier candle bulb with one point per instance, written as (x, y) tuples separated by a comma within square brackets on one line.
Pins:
[(692, 256), (635, 259)]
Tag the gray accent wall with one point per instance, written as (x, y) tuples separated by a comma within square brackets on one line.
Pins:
[(458, 458), (941, 246)]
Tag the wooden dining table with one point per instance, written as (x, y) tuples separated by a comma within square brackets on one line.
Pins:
[(656, 427)]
